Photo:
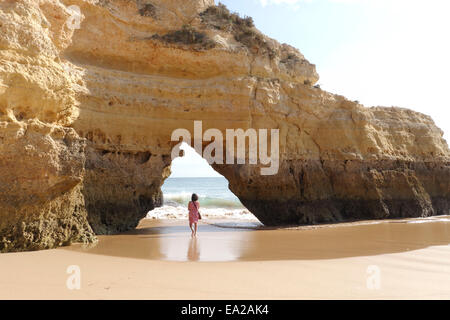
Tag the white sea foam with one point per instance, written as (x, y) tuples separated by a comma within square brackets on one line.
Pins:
[(171, 212)]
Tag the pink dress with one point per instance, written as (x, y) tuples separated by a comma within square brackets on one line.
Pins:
[(193, 212)]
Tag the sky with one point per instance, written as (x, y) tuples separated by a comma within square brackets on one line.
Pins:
[(379, 52)]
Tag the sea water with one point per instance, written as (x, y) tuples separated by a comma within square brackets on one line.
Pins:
[(216, 199)]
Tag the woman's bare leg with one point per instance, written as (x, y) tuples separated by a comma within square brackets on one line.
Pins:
[(195, 227), (192, 229)]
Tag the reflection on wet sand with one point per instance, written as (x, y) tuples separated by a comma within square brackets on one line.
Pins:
[(225, 241), (194, 250)]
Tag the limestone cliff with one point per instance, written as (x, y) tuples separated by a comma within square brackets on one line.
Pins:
[(86, 117)]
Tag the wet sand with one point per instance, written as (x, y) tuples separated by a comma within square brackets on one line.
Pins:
[(392, 259)]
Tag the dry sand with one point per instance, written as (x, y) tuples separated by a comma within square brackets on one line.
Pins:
[(233, 260)]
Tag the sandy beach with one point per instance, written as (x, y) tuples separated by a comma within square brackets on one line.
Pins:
[(241, 260)]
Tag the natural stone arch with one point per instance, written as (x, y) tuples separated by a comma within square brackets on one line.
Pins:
[(86, 117), (122, 184)]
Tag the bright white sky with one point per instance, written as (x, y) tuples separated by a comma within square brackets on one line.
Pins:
[(380, 52)]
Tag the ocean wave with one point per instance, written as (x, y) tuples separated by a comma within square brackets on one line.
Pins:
[(183, 198), (178, 212)]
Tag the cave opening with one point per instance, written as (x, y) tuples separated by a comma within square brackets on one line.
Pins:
[(193, 174)]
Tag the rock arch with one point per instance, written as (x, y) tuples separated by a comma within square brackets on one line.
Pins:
[(86, 117)]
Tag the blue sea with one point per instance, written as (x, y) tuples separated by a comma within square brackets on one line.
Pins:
[(216, 200), (212, 192)]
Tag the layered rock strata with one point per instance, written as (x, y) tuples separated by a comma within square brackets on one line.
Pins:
[(88, 103)]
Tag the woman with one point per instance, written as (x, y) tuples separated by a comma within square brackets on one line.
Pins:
[(194, 214)]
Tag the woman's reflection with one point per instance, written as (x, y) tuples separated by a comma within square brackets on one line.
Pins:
[(194, 250)]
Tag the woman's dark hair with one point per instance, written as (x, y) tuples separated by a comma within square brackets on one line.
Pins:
[(194, 197)]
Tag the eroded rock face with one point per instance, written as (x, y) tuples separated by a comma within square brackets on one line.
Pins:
[(41, 159), (41, 201), (311, 191), (87, 117)]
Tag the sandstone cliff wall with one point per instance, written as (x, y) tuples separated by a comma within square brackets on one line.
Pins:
[(87, 116)]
